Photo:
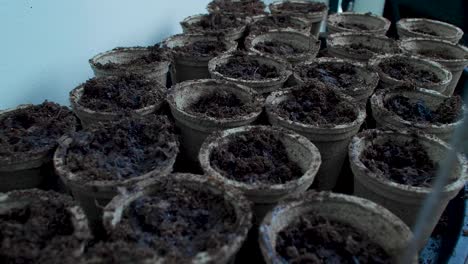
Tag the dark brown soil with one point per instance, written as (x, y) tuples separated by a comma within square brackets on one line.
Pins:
[(256, 157), (178, 222), (316, 104), (246, 7), (202, 48), (119, 151), (449, 111), (35, 222), (215, 23), (438, 54), (278, 48), (120, 93), (368, 50), (339, 75), (33, 129), (405, 163), (156, 54), (399, 69), (424, 30), (221, 104), (353, 26), (274, 22), (246, 68), (118, 252), (311, 7), (315, 239)]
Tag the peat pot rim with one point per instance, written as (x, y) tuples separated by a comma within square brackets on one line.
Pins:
[(115, 209), (406, 46), (406, 23), (336, 18), (305, 25), (308, 202), (233, 33), (189, 85), (335, 41), (358, 144), (219, 138), (378, 106), (318, 16)]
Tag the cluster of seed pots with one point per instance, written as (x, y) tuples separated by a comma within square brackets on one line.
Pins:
[(230, 139)]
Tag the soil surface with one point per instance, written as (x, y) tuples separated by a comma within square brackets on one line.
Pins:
[(156, 54), (339, 75), (278, 48), (399, 69), (178, 222), (274, 22), (316, 104), (247, 68), (247, 7), (256, 157), (33, 129), (222, 104), (367, 50), (215, 23), (315, 239), (302, 8), (35, 224), (405, 163), (120, 151), (203, 48), (424, 30), (449, 111), (438, 54), (120, 93), (118, 252), (353, 26)]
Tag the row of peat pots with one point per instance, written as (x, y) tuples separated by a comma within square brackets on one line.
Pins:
[(210, 169)]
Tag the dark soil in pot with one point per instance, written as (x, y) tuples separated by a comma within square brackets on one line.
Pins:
[(117, 252), (449, 111), (120, 93), (354, 26), (315, 239), (202, 48), (245, 7), (255, 157), (278, 48), (275, 22), (222, 104), (399, 69), (247, 69), (424, 30), (359, 48), (157, 54), (317, 105), (215, 23), (310, 7), (177, 223)]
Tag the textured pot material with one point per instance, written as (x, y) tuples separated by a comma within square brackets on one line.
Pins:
[(444, 31), (301, 25), (231, 35), (403, 200), (195, 128), (456, 64), (331, 141), (113, 211), (377, 25), (379, 224)]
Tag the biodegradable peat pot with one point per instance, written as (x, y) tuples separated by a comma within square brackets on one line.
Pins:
[(242, 8), (378, 225), (262, 188), (147, 61), (28, 138), (292, 46), (360, 46), (41, 227), (229, 26), (266, 23), (314, 12), (95, 163), (292, 109), (403, 200), (357, 23), (109, 98), (192, 52), (188, 218), (453, 56), (265, 74), (399, 69), (240, 106), (345, 76), (424, 101), (428, 28)]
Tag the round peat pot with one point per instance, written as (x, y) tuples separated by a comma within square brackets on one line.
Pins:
[(28, 168), (266, 23), (261, 85), (292, 46), (453, 56), (360, 46), (428, 28), (221, 247), (242, 8), (430, 99), (301, 8), (190, 63), (403, 200), (116, 62), (264, 194), (332, 140), (370, 220), (196, 126), (359, 87), (191, 25), (90, 117), (412, 65), (357, 23)]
